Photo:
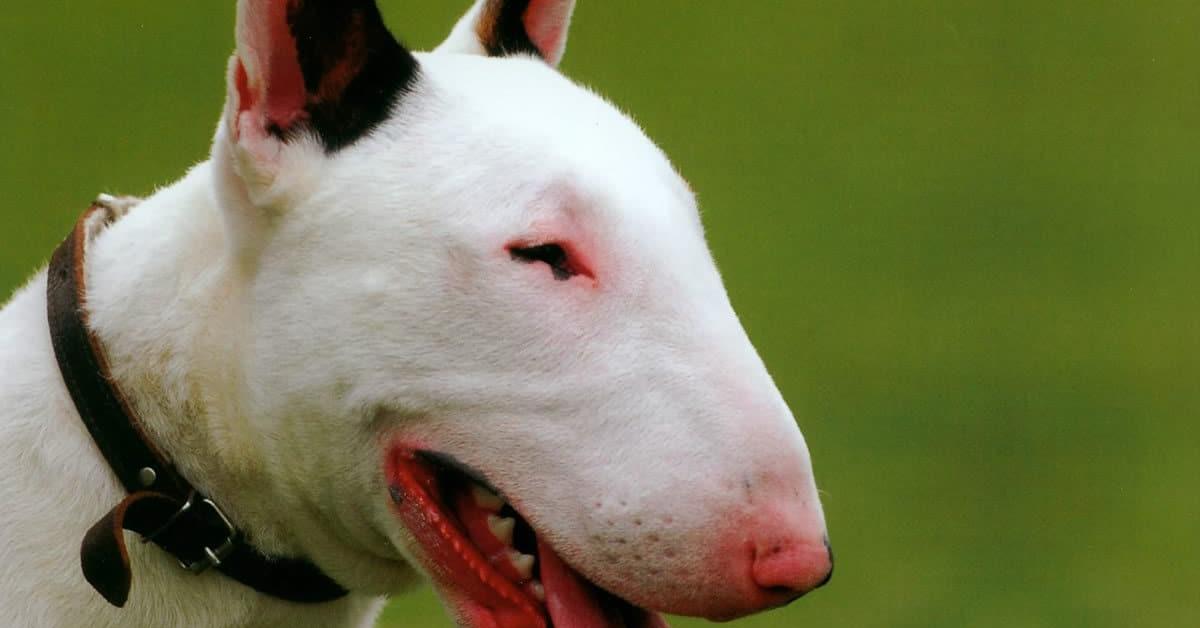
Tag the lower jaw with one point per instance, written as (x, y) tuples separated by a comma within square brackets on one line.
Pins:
[(470, 614), (615, 614), (478, 587)]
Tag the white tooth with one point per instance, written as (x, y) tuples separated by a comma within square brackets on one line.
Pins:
[(523, 563), (502, 528), (486, 499), (538, 590)]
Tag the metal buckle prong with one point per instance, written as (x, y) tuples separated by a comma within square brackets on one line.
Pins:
[(214, 556)]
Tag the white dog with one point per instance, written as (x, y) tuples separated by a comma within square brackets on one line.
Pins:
[(444, 317)]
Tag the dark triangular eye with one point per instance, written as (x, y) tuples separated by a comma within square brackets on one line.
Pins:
[(552, 255)]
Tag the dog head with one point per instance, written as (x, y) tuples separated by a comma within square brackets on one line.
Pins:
[(485, 336)]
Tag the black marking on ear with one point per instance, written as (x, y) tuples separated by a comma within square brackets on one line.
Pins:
[(355, 71), (502, 29)]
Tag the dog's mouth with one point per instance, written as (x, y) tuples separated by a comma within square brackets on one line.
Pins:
[(491, 567)]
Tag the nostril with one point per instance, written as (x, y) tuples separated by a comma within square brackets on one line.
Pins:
[(792, 570), (783, 592)]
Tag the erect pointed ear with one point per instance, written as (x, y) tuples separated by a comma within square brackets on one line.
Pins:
[(325, 67), (309, 78), (499, 28)]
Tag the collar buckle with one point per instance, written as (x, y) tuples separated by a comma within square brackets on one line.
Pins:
[(212, 555)]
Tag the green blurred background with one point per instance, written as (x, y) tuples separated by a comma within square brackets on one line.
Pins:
[(964, 235)]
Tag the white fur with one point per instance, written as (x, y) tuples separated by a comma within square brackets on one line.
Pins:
[(279, 320)]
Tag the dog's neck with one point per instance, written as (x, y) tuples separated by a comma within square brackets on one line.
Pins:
[(166, 304)]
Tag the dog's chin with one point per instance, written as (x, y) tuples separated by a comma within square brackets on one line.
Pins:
[(491, 568)]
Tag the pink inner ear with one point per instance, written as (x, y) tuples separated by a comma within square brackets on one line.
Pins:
[(270, 82), (546, 22)]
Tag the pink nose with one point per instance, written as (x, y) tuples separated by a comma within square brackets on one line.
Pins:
[(791, 570)]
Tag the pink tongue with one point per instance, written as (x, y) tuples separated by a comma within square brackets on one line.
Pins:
[(572, 601)]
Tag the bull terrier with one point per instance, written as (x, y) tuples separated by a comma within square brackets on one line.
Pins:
[(442, 317)]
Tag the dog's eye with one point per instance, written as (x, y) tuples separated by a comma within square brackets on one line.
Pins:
[(552, 255)]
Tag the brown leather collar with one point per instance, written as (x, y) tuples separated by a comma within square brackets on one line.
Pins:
[(162, 506)]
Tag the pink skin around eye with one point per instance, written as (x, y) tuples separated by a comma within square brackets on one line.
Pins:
[(563, 230), (577, 261), (560, 216)]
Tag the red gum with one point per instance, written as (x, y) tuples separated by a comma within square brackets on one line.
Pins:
[(475, 519), (453, 560)]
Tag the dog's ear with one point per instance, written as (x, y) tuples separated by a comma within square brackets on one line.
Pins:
[(326, 67), (309, 78), (500, 28)]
